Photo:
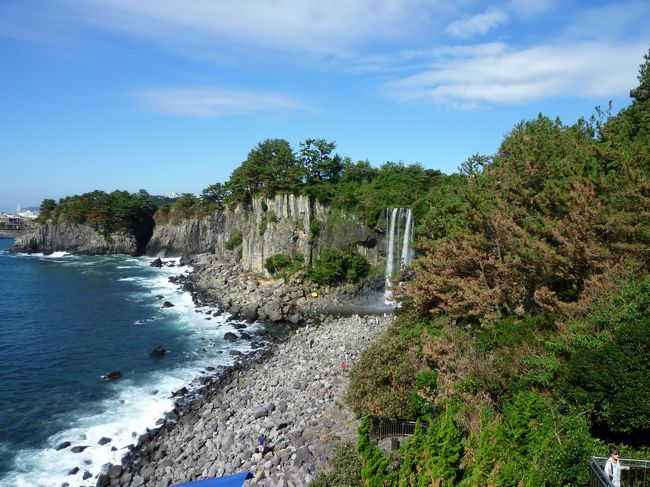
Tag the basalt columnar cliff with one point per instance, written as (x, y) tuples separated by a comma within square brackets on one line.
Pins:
[(75, 238), (285, 224)]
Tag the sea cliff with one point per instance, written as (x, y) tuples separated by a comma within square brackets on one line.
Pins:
[(285, 224), (75, 238)]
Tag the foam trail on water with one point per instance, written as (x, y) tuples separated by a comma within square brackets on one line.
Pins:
[(133, 407)]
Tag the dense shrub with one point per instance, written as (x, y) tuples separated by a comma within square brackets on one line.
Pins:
[(337, 266), (612, 373), (234, 241), (384, 380), (345, 469)]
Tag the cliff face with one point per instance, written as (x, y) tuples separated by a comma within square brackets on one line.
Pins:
[(79, 239), (285, 224)]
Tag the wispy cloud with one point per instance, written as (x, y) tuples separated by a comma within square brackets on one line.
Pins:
[(509, 76), (330, 27), (479, 24), (212, 102)]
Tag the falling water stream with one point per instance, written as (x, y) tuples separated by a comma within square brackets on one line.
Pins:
[(399, 253)]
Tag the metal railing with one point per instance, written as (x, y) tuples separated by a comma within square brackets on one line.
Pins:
[(395, 429), (637, 476)]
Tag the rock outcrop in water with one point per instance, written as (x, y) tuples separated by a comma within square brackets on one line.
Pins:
[(76, 239)]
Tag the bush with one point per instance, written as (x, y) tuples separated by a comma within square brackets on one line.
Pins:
[(263, 224), (337, 266), (383, 381), (235, 241), (345, 469), (277, 263), (613, 374)]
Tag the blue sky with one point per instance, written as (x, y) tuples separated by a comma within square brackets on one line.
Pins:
[(170, 96)]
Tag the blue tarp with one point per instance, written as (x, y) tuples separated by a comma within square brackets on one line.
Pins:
[(236, 480)]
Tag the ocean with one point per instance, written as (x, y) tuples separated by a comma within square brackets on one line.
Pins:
[(65, 321)]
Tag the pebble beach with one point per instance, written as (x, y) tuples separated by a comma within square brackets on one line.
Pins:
[(294, 396)]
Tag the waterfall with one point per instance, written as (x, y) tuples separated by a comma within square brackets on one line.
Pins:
[(407, 251), (399, 253)]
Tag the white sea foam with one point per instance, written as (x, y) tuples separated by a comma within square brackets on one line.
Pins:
[(133, 408)]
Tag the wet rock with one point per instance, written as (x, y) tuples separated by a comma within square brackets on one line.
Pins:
[(78, 449), (167, 304), (104, 441), (113, 375), (63, 445), (230, 337), (158, 352)]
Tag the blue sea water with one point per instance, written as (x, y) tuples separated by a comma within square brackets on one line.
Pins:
[(64, 322)]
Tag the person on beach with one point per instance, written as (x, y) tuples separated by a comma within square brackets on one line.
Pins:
[(262, 443), (613, 467)]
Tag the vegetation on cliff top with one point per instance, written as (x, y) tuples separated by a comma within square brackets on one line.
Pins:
[(273, 167), (522, 341), (108, 213)]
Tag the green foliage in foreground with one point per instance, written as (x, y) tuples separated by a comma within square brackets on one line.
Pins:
[(345, 469), (337, 266), (530, 308), (612, 372)]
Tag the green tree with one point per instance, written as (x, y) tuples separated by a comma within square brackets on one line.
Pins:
[(316, 159), (270, 167), (642, 92), (47, 207), (216, 194)]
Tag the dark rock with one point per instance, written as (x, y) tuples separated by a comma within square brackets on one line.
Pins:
[(113, 375), (156, 263), (87, 475), (78, 449), (181, 392), (245, 336), (103, 481), (160, 296), (158, 352), (239, 326), (104, 441), (63, 445), (230, 337), (303, 455), (114, 471), (260, 412), (249, 312), (73, 471), (167, 304)]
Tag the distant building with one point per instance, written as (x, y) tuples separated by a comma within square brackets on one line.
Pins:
[(27, 213), (11, 222), (174, 195)]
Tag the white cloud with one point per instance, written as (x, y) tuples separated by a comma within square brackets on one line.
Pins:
[(589, 70), (320, 26), (211, 102), (479, 24)]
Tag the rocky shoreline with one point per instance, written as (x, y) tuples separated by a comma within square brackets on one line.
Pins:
[(291, 392)]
